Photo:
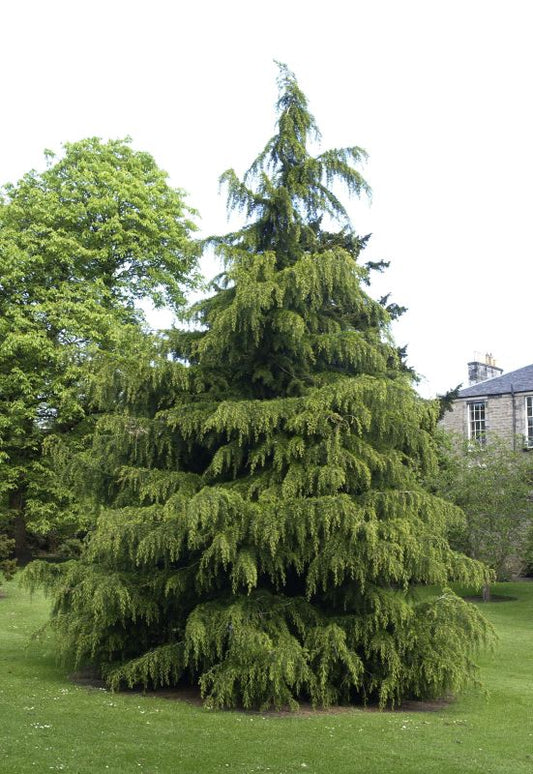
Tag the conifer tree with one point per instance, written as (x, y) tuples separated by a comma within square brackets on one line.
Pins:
[(265, 530)]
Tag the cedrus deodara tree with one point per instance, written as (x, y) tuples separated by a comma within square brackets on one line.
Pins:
[(265, 528)]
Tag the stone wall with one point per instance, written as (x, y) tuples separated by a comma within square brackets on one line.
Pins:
[(455, 421), (498, 416)]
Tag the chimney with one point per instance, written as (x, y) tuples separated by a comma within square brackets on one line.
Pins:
[(481, 369)]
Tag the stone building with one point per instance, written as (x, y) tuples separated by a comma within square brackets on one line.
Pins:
[(494, 404)]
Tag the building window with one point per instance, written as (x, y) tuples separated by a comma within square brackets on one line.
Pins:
[(529, 422), (477, 430)]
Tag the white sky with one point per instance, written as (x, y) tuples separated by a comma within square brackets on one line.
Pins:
[(438, 92)]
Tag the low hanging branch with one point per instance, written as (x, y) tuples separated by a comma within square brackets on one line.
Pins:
[(269, 545)]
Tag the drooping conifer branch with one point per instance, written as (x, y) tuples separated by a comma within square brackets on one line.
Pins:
[(265, 526)]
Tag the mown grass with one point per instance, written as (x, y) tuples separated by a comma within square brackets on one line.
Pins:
[(49, 724)]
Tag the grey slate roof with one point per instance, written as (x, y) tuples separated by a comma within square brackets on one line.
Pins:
[(517, 381)]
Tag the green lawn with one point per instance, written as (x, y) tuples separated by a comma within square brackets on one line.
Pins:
[(49, 724)]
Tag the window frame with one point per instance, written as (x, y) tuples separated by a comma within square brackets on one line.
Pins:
[(477, 422), (528, 421)]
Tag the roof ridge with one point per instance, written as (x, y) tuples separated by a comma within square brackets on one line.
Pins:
[(487, 385)]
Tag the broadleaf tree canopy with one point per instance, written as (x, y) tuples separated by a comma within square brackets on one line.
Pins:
[(80, 244)]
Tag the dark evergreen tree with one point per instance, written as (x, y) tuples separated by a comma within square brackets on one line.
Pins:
[(265, 527)]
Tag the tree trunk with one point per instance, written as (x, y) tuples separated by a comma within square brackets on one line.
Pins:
[(16, 506), (486, 592)]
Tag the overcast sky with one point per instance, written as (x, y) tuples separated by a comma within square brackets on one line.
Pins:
[(438, 93)]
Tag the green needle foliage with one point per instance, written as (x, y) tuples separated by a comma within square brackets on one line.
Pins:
[(265, 525)]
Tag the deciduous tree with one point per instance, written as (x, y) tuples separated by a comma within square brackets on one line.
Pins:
[(492, 484), (80, 243)]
